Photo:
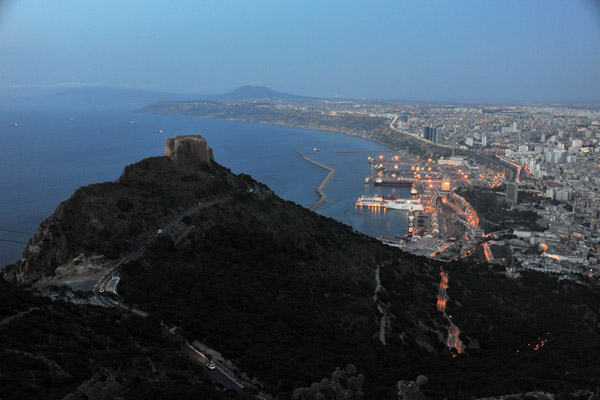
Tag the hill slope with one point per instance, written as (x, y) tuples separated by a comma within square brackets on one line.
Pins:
[(289, 295), (56, 350)]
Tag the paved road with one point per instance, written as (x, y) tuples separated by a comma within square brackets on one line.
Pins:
[(107, 286), (217, 374), (103, 284)]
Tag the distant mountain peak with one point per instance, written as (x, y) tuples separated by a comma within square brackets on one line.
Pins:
[(249, 92)]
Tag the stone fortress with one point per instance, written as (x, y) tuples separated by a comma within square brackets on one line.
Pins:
[(188, 147)]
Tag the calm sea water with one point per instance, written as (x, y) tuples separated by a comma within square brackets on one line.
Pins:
[(52, 152)]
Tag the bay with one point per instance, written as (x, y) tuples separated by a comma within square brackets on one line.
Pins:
[(53, 151)]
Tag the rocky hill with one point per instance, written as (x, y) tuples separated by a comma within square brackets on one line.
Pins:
[(288, 295), (102, 222)]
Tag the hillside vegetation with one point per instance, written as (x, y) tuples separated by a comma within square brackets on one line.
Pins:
[(288, 295), (59, 350)]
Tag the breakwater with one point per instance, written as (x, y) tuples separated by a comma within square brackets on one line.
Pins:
[(320, 189)]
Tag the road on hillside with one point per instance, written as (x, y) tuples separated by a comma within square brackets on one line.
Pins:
[(103, 284), (102, 293)]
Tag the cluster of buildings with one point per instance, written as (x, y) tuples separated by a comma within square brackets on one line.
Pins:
[(550, 165), (554, 155)]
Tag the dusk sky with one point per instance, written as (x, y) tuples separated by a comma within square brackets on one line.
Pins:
[(485, 51)]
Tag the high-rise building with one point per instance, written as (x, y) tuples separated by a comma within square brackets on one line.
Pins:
[(557, 156), (430, 134), (512, 193), (426, 132)]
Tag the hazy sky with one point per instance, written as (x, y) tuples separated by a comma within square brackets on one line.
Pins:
[(479, 50)]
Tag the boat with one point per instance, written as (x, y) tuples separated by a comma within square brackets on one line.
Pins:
[(390, 203), (160, 131), (369, 201), (131, 122), (367, 180), (15, 124), (393, 182), (414, 190), (316, 150), (404, 205)]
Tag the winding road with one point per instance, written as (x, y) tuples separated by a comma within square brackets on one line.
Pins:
[(453, 341), (108, 284)]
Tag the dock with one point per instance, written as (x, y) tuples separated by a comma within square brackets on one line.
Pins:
[(320, 189)]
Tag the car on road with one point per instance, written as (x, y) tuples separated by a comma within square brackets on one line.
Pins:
[(101, 290), (211, 366), (159, 231)]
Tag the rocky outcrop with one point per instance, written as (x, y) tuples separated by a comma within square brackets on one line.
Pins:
[(411, 390), (106, 220), (102, 385)]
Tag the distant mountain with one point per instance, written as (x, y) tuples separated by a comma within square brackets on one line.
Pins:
[(258, 92)]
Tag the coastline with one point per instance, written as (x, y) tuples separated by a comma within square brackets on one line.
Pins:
[(28, 208), (375, 129)]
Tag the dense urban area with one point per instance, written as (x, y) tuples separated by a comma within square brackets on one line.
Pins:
[(525, 187)]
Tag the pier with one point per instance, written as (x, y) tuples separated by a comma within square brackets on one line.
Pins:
[(320, 189)]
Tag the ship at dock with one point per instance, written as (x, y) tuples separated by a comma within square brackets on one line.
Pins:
[(398, 182), (394, 204), (369, 201), (402, 204)]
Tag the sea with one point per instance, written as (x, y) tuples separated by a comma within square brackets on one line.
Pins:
[(48, 152)]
